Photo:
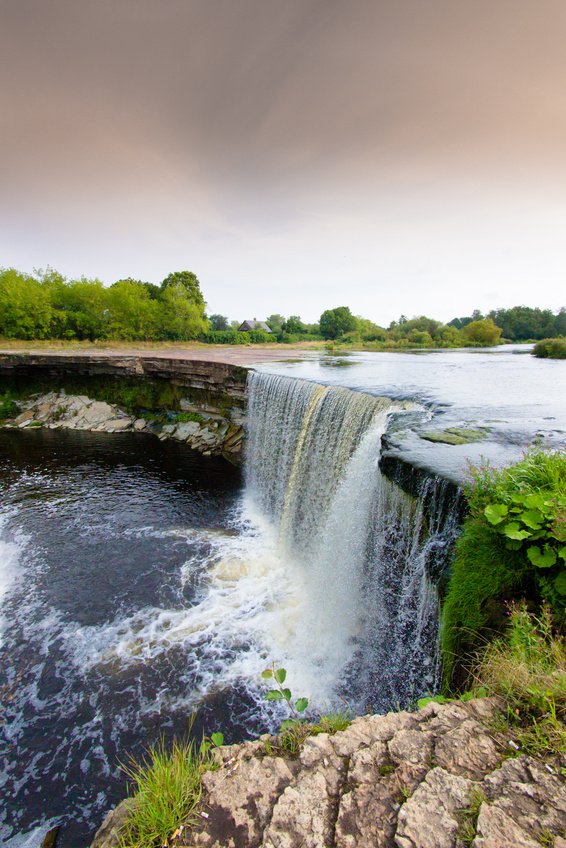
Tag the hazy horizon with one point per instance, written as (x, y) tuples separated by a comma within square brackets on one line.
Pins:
[(392, 157)]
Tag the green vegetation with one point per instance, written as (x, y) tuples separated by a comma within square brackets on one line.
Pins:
[(521, 323), (491, 566), (550, 349), (8, 407), (167, 787), (527, 668), (455, 435), (468, 818), (44, 305), (294, 730), (47, 306)]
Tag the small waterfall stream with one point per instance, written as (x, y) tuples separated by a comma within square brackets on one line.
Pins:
[(367, 621)]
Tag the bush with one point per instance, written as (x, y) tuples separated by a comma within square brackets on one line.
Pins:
[(486, 571), (550, 349)]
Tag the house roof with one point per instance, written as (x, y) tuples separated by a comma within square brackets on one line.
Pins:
[(253, 325)]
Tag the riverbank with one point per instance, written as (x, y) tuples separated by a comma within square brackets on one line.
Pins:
[(441, 777)]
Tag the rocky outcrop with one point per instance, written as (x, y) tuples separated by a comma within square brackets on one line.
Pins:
[(212, 433), (215, 378), (436, 778)]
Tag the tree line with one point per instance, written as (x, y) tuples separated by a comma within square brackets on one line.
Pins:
[(46, 305)]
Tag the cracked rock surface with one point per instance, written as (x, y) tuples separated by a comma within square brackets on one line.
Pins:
[(436, 778)]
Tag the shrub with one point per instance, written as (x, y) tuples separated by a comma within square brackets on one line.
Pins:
[(550, 349), (486, 571)]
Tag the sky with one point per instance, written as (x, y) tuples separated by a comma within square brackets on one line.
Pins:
[(394, 156)]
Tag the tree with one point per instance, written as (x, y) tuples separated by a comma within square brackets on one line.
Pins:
[(483, 332), (179, 316), (132, 312), (335, 322), (219, 322), (293, 324), (187, 281), (275, 322), (25, 310)]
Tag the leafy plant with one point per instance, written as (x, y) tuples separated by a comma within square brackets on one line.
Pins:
[(490, 568), (296, 707), (535, 523)]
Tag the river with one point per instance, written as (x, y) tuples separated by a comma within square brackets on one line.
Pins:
[(140, 582)]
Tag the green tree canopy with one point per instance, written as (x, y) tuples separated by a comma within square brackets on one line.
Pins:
[(482, 332), (219, 322), (335, 322), (293, 324), (187, 281), (275, 322)]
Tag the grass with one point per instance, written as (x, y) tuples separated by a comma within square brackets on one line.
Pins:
[(290, 740), (527, 668), (485, 573), (167, 787), (468, 818), (550, 349)]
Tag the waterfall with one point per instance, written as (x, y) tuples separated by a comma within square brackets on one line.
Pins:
[(364, 550)]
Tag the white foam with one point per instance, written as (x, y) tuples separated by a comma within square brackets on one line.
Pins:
[(10, 552)]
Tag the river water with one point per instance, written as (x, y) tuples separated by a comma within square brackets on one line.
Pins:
[(140, 582)]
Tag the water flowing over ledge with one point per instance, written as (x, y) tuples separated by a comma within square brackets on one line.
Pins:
[(369, 554)]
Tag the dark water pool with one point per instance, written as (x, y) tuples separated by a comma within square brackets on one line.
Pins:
[(94, 529)]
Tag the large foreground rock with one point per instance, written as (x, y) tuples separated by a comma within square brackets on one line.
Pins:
[(437, 778)]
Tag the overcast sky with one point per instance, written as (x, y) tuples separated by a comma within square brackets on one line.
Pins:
[(396, 156)]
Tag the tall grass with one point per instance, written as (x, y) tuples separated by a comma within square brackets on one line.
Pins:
[(166, 787), (527, 668)]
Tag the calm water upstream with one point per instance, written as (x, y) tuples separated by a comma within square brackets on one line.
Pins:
[(140, 581)]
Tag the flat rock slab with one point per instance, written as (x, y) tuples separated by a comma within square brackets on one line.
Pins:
[(402, 780)]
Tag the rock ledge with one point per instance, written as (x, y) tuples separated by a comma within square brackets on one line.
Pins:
[(437, 778)]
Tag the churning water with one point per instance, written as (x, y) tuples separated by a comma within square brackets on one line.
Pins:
[(141, 582)]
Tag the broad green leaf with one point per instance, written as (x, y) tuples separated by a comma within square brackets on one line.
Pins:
[(532, 518), (273, 695), (301, 704), (280, 675), (286, 694), (562, 553), (535, 501), (287, 724), (267, 674), (513, 531), (217, 739), (513, 545), (495, 513), (560, 583), (204, 746), (541, 558)]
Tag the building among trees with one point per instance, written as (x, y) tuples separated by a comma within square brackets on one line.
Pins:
[(246, 326)]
